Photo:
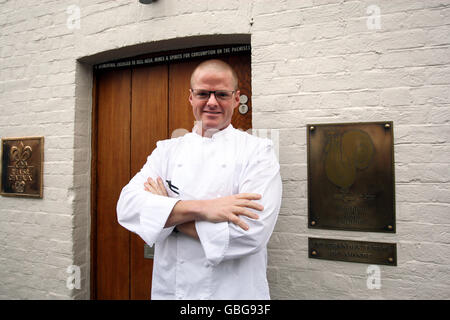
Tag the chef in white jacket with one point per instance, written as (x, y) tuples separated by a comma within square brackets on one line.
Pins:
[(208, 201)]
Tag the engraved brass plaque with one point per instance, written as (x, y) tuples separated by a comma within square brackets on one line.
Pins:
[(351, 177), (353, 251), (22, 160)]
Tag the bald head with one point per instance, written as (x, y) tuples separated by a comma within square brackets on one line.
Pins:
[(217, 66)]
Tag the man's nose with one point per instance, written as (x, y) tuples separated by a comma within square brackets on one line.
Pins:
[(212, 99)]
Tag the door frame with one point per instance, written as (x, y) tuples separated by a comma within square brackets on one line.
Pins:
[(165, 57)]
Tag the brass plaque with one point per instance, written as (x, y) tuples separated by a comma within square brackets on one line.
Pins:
[(351, 177), (353, 251), (22, 160), (149, 252)]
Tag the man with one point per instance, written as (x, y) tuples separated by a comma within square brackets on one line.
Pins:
[(208, 200)]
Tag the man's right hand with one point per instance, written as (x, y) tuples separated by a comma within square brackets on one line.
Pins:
[(229, 208), (224, 209)]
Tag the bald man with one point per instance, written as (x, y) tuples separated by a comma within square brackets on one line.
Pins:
[(208, 200)]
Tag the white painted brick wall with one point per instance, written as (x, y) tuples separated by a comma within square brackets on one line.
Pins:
[(312, 62), (346, 72)]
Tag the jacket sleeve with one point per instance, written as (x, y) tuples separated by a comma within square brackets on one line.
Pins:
[(142, 212), (224, 240)]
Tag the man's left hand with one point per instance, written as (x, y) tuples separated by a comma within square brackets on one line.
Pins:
[(156, 187)]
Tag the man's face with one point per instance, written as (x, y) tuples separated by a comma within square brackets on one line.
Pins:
[(213, 113)]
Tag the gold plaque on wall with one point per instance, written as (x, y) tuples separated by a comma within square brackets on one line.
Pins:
[(351, 176), (353, 251), (22, 161)]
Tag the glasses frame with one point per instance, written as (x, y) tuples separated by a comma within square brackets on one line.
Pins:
[(214, 92)]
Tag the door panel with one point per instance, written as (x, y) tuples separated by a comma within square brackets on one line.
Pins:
[(149, 115), (180, 110), (242, 66), (113, 172), (149, 112)]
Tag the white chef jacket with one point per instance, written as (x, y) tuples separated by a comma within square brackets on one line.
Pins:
[(227, 262)]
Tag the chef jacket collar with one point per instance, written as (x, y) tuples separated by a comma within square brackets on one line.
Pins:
[(218, 134)]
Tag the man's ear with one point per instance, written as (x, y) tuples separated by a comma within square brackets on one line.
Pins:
[(237, 98), (190, 96)]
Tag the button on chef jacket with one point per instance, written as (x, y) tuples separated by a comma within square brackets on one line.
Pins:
[(228, 262)]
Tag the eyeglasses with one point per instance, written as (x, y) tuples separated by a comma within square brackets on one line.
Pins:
[(222, 95)]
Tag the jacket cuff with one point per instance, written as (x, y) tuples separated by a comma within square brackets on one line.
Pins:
[(152, 223), (165, 233), (214, 238)]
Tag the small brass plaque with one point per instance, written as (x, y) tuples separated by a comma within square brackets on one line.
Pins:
[(149, 252), (353, 251), (22, 160), (351, 177)]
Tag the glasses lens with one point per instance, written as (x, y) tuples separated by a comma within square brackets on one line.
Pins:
[(201, 94), (223, 95)]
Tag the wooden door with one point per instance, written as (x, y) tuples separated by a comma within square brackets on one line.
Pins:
[(113, 171), (134, 108)]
